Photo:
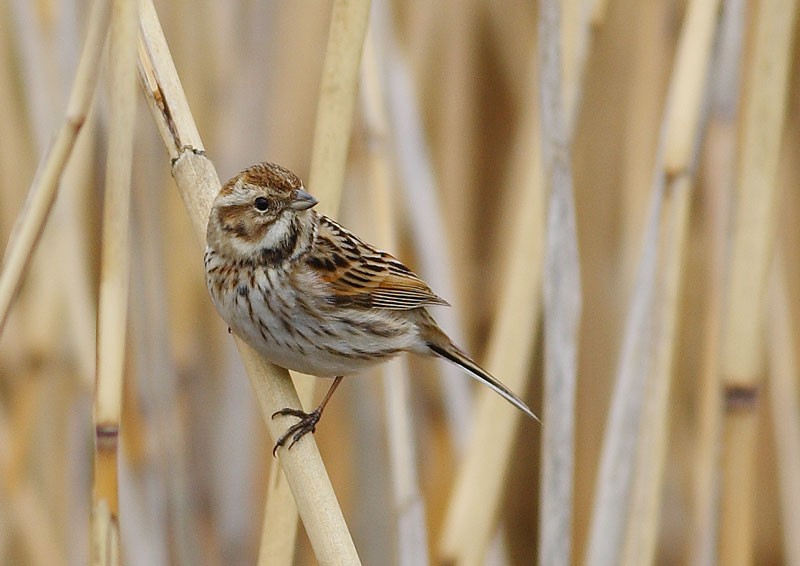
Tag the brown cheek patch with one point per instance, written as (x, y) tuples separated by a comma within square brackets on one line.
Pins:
[(234, 213), (257, 233), (242, 221)]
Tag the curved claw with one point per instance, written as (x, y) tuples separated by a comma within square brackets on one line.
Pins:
[(307, 423)]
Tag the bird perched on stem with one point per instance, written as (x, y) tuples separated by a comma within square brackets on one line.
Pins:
[(310, 296)]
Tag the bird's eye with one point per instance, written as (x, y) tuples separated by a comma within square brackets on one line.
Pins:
[(261, 204)]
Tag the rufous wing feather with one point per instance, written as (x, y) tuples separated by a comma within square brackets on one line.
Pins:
[(361, 275)]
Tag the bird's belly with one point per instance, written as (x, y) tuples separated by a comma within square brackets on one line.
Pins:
[(305, 334)]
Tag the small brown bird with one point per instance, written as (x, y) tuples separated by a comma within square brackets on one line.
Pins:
[(312, 297)]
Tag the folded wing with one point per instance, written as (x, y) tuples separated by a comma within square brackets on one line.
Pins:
[(360, 275)]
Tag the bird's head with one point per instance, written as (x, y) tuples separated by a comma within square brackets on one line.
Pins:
[(263, 211)]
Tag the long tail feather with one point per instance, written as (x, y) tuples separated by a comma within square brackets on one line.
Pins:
[(461, 359)]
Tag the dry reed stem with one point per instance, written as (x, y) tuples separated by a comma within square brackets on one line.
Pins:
[(332, 132), (688, 86), (409, 507), (114, 269), (784, 394), (16, 151), (573, 38), (303, 469), (155, 432), (456, 107), (562, 38), (409, 510), (279, 530), (687, 92), (644, 373), (32, 218), (72, 255), (198, 184), (105, 549), (639, 544), (610, 513), (430, 237), (649, 76), (35, 52), (349, 19), (167, 100), (475, 501), (761, 121), (620, 438), (718, 178), (704, 487)]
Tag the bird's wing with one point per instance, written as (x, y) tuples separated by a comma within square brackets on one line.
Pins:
[(360, 275)]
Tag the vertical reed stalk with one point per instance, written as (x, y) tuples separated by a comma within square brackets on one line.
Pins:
[(338, 90), (412, 539), (114, 278), (761, 121), (629, 482), (642, 523), (718, 178), (474, 504), (784, 394), (562, 37), (426, 216), (334, 124), (457, 109)]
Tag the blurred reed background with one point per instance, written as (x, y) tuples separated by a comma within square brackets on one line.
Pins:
[(676, 129)]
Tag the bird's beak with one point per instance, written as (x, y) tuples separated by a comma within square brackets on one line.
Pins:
[(302, 200)]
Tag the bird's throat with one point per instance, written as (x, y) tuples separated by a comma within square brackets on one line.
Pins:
[(282, 250)]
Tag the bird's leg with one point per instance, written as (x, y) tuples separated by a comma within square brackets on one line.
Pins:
[(308, 421)]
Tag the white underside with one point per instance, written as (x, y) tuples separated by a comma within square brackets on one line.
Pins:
[(324, 346)]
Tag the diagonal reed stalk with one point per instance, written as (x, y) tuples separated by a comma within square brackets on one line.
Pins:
[(42, 194), (198, 183), (30, 518), (684, 126)]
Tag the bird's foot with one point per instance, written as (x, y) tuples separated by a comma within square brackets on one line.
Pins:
[(307, 423)]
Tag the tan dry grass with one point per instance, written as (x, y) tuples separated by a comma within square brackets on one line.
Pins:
[(455, 167)]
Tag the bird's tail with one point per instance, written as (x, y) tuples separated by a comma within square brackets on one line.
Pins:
[(455, 355)]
